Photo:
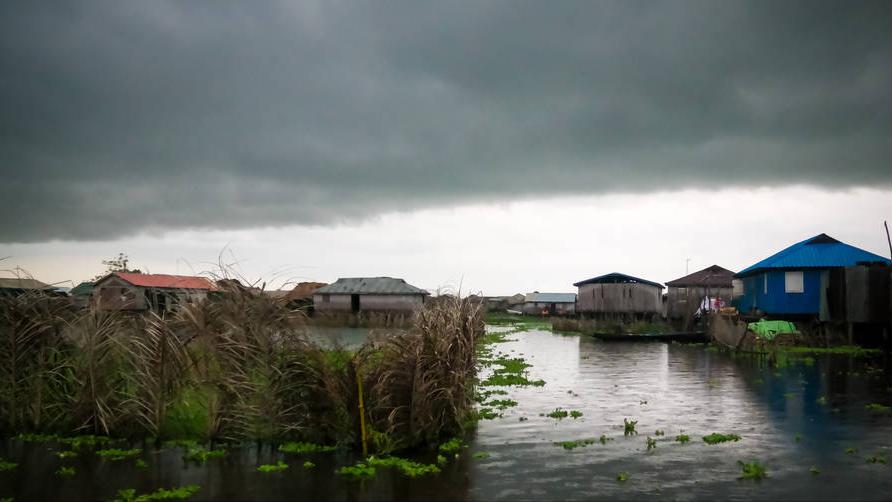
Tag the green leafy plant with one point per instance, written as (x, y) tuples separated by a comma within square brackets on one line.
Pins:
[(358, 471), (716, 438), (814, 471), (65, 471), (575, 414), (407, 467), (183, 492), (651, 443), (558, 414), (115, 454), (822, 400), (66, 454), (571, 445), (878, 458), (300, 448), (480, 455), (660, 432), (441, 460), (201, 455), (277, 467), (6, 465), (798, 438), (308, 465), (851, 451), (140, 464), (682, 438), (752, 470), (629, 426), (451, 446), (622, 477), (603, 439), (878, 408)]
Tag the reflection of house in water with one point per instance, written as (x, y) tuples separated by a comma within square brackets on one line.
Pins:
[(618, 295), (549, 303), (159, 292), (368, 294)]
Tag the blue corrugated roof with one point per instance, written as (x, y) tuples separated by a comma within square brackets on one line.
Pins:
[(820, 251), (617, 278), (551, 297)]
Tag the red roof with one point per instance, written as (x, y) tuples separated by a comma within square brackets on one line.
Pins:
[(167, 281)]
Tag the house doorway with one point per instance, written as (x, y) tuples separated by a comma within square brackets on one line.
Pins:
[(354, 303), (552, 309)]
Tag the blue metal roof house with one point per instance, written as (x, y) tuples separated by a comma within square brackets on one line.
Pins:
[(794, 282)]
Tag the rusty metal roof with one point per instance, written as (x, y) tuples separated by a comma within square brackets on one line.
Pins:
[(714, 276), (164, 281), (370, 285)]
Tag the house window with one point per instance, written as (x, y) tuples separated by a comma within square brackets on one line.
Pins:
[(326, 298), (793, 282)]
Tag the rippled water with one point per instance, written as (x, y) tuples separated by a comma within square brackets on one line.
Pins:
[(675, 388)]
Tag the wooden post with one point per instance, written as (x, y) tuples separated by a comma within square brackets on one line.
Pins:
[(365, 446)]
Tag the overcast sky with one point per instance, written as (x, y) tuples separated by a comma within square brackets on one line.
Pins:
[(504, 146)]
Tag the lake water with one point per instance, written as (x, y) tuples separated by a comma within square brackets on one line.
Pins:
[(792, 415)]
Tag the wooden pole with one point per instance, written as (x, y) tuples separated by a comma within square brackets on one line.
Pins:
[(365, 447), (888, 240)]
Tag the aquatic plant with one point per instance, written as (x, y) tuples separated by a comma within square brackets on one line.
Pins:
[(682, 438), (300, 448), (522, 419), (308, 465), (6, 465), (752, 470), (36, 438), (571, 445), (623, 476), (510, 380), (558, 414), (115, 454), (659, 432), (851, 451), (814, 471), (66, 454), (878, 408), (603, 439), (86, 441), (629, 427), (201, 455), (878, 458), (797, 438), (277, 467), (441, 460), (406, 467), (487, 414), (650, 443), (789, 395), (716, 438), (575, 414), (502, 404), (822, 400), (180, 493), (65, 471), (451, 446), (358, 471), (140, 464)]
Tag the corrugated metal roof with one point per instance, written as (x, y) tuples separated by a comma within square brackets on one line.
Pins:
[(550, 298), (22, 283), (371, 285), (617, 278), (165, 281), (820, 251), (714, 275)]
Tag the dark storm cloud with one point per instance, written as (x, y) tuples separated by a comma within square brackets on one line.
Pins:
[(119, 117)]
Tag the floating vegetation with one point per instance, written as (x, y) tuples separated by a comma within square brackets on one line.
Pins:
[(623, 476), (716, 438), (358, 471), (558, 413), (843, 349), (441, 460), (510, 380), (183, 492), (115, 454), (502, 404), (572, 445), (642, 402), (480, 455), (487, 414), (66, 454), (789, 395), (814, 471), (798, 438), (201, 455), (522, 419), (758, 381), (629, 427), (878, 408), (90, 441), (822, 400), (65, 471), (299, 448), (851, 451), (682, 438), (659, 432), (277, 467), (752, 470), (309, 465), (651, 443), (36, 438), (407, 467), (575, 414), (486, 394), (878, 458), (6, 465), (808, 361), (140, 464), (451, 446)]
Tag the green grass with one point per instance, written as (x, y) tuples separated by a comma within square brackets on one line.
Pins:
[(300, 448), (752, 470), (406, 467), (682, 438), (716, 438), (277, 467), (183, 492), (65, 471), (115, 454)]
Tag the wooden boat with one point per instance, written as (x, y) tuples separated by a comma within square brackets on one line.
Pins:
[(680, 336)]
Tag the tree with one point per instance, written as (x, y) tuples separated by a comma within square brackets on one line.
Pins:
[(116, 264)]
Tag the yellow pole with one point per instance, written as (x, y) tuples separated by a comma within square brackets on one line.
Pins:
[(365, 447)]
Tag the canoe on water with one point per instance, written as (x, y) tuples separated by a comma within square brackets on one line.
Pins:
[(681, 336)]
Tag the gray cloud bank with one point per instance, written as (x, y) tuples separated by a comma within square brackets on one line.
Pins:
[(119, 117)]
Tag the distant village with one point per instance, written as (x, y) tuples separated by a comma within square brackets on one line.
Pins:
[(818, 281)]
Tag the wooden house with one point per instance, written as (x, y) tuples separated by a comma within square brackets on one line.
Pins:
[(368, 294), (686, 294), (617, 295), (549, 304), (158, 292), (15, 286), (796, 281)]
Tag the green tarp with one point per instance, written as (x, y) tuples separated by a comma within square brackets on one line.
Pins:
[(769, 329)]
